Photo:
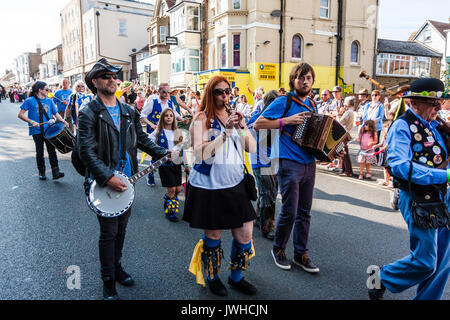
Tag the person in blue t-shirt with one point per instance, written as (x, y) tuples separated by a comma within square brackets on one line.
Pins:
[(38, 125), (61, 97), (297, 168), (264, 173)]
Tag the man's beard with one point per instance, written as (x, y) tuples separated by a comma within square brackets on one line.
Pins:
[(106, 91), (302, 92)]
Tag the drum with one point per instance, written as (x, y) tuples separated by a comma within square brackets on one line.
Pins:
[(60, 137)]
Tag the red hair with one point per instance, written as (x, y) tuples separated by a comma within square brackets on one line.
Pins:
[(208, 103)]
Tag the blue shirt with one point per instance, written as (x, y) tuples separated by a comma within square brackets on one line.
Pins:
[(31, 105), (400, 154), (64, 96), (115, 115), (288, 149), (261, 158), (379, 116)]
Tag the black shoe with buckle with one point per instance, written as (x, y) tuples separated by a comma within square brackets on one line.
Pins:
[(377, 294), (279, 257), (123, 278), (216, 286), (109, 289), (243, 286), (305, 262), (42, 175)]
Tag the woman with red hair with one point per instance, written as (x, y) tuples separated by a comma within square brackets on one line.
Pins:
[(217, 198)]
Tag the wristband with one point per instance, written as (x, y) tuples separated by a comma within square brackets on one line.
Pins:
[(281, 124), (448, 175), (242, 133)]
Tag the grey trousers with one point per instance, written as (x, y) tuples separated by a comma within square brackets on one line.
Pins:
[(296, 182)]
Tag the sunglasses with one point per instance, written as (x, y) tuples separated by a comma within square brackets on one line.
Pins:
[(219, 92), (375, 95), (108, 76), (164, 91), (46, 89)]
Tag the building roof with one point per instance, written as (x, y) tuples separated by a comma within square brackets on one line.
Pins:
[(406, 47), (170, 3), (440, 26)]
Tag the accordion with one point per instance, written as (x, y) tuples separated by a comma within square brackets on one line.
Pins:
[(321, 135)]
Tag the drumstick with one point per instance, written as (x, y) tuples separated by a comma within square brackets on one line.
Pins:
[(43, 123)]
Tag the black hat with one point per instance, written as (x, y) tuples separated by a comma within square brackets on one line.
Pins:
[(427, 88), (102, 66)]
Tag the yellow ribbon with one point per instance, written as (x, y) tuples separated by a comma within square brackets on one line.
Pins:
[(196, 263), (143, 157)]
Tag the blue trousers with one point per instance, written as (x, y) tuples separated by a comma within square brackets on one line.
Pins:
[(428, 264)]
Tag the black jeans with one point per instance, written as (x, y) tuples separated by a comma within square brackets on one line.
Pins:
[(39, 142), (110, 244)]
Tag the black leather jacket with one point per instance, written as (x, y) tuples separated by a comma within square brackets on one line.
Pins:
[(98, 139)]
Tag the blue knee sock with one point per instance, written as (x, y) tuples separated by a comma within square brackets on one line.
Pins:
[(212, 244), (236, 275)]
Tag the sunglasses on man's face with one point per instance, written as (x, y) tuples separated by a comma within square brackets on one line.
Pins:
[(163, 91), (108, 76), (219, 92)]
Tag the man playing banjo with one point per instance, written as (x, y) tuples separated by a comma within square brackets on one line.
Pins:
[(100, 144)]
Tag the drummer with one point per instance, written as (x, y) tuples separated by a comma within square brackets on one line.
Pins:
[(38, 123)]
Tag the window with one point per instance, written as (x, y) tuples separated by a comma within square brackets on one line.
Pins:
[(162, 34), (223, 52), (297, 47), (192, 18), (122, 28), (325, 9), (177, 21), (194, 60), (426, 35), (403, 65), (154, 36), (236, 50), (163, 8), (178, 61), (354, 56), (236, 4), (221, 6)]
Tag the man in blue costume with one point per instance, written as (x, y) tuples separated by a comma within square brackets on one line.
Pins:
[(416, 151)]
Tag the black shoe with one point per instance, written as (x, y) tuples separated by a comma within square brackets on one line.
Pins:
[(280, 259), (377, 294), (269, 235), (42, 176), (57, 175), (217, 287), (243, 286), (172, 217), (123, 278), (305, 262), (109, 290)]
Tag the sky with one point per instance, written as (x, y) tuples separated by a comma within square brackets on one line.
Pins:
[(25, 23)]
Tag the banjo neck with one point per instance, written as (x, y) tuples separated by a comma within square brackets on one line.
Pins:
[(155, 164), (149, 169)]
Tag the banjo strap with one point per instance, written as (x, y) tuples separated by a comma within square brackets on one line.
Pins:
[(123, 140)]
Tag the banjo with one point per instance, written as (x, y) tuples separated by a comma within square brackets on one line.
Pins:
[(109, 203)]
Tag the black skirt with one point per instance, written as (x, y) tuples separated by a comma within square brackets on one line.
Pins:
[(218, 209), (170, 175)]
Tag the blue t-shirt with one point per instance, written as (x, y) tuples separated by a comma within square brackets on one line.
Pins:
[(31, 105), (115, 115), (287, 148), (64, 96), (261, 158)]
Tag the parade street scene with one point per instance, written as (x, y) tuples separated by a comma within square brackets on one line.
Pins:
[(227, 156)]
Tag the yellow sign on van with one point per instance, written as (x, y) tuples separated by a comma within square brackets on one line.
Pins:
[(267, 71)]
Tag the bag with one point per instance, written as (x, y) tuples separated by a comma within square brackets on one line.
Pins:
[(76, 160), (250, 185), (428, 210), (430, 214)]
